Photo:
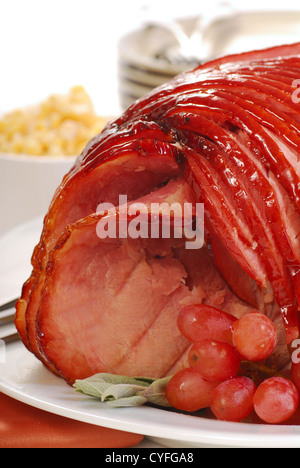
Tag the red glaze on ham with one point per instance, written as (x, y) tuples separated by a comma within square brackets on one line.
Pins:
[(226, 134)]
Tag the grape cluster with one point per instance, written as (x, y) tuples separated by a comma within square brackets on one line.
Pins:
[(220, 343)]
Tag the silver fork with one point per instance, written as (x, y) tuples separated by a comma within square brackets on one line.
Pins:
[(8, 331)]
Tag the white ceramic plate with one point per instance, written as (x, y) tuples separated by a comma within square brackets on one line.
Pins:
[(24, 378)]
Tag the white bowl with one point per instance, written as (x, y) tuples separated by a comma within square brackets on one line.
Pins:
[(27, 185)]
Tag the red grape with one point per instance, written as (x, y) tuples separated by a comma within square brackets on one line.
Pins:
[(197, 322), (214, 360), (254, 336), (188, 391), (276, 400), (232, 399)]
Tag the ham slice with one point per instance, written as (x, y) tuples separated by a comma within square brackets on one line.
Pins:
[(227, 135)]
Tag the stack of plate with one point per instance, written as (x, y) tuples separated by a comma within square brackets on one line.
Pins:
[(156, 53), (145, 61)]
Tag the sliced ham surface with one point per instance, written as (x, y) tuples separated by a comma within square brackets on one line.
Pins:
[(227, 135), (150, 279)]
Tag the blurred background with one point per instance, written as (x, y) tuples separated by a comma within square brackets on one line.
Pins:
[(49, 46), (116, 51)]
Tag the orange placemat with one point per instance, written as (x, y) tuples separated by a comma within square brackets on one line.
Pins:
[(22, 426)]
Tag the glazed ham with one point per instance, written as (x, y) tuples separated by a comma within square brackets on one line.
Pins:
[(226, 135)]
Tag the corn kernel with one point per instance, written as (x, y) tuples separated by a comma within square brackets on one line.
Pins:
[(61, 125)]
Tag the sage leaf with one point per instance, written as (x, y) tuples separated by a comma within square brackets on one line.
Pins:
[(123, 391), (156, 392), (115, 379), (147, 380), (94, 389), (115, 392), (135, 400)]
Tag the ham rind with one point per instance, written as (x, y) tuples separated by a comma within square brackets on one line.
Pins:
[(190, 80), (246, 205), (236, 166), (226, 134)]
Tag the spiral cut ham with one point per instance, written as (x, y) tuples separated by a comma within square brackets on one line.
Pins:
[(226, 135)]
